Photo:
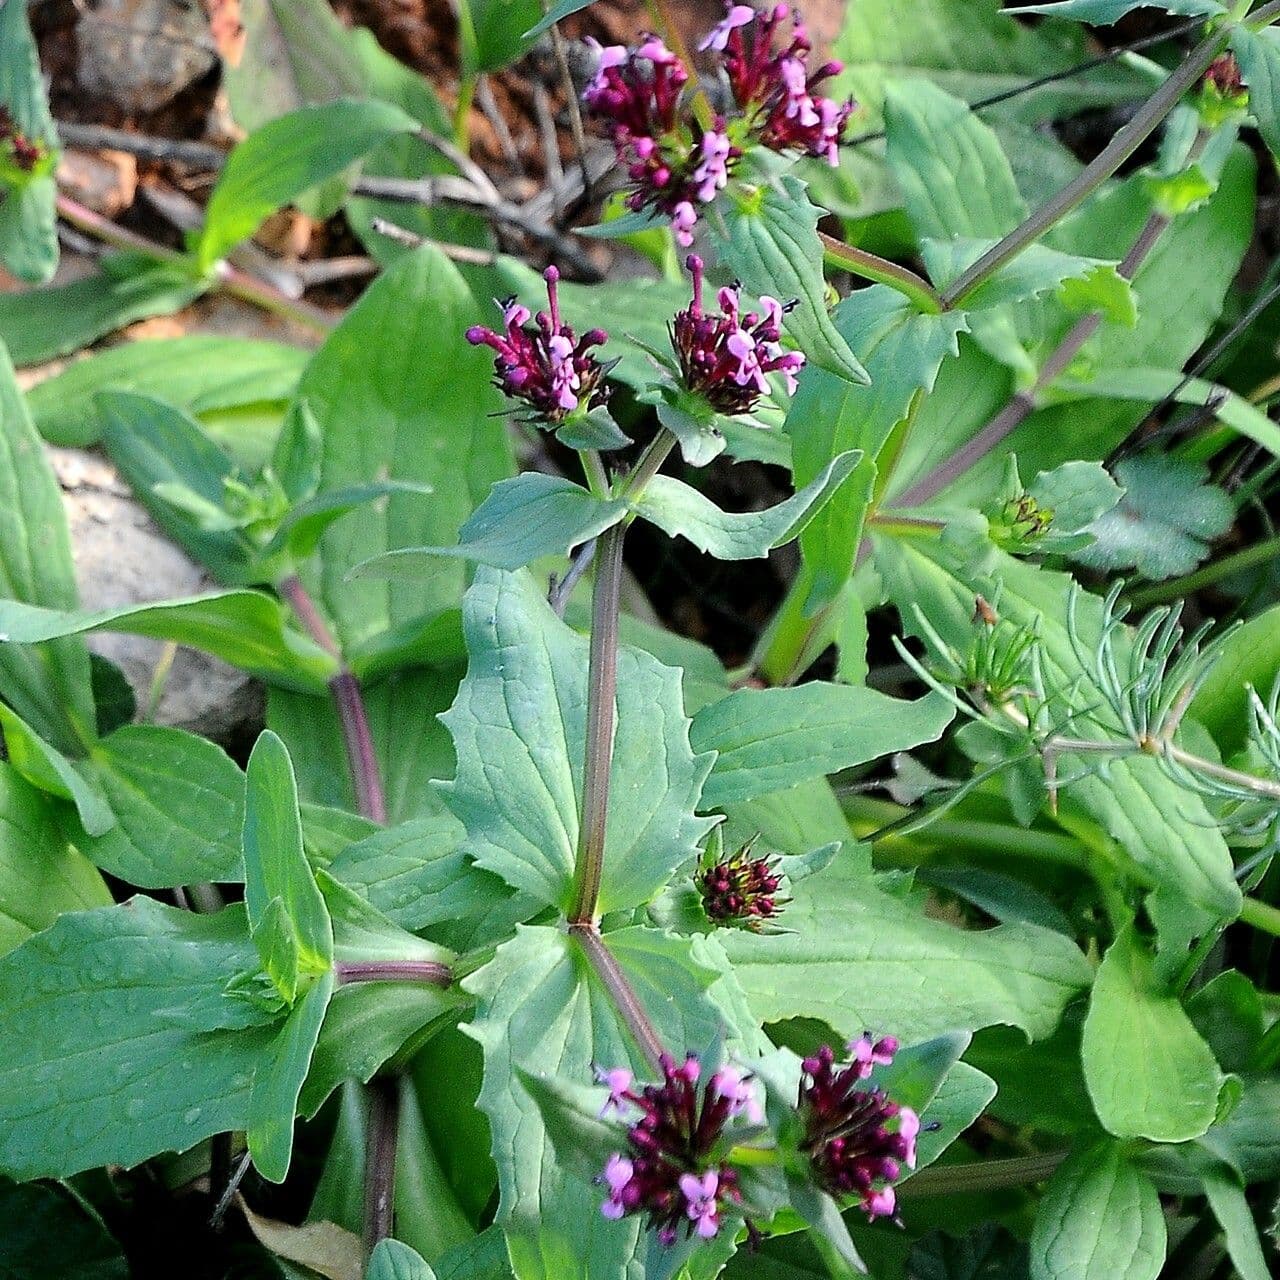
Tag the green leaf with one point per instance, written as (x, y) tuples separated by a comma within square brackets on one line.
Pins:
[(1163, 524), (57, 320), (392, 1260), (1258, 53), (277, 1082), (156, 445), (1249, 657), (540, 1005), (245, 628), (771, 242), (138, 992), (50, 688), (275, 865), (495, 32), (418, 876), (903, 350), (397, 366), (1235, 1217), (28, 232), (524, 518), (41, 873), (47, 768), (1153, 385), (1100, 1218), (973, 50), (750, 535), (950, 167), (857, 958), (519, 730), (1149, 1073), (286, 157), (295, 52), (769, 739), (1105, 12), (204, 375), (49, 1231), (1227, 1012), (178, 802)]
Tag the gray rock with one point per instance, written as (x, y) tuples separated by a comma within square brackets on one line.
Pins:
[(122, 558), (142, 53)]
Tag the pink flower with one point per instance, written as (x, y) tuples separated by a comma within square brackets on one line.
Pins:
[(868, 1055), (908, 1129), (735, 1087), (701, 1196), (618, 1079), (738, 16), (618, 1172)]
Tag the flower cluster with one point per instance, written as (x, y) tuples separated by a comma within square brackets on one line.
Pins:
[(725, 356), (1224, 76), (673, 1169), (774, 88), (545, 363), (16, 147), (847, 1134), (678, 158), (741, 890)]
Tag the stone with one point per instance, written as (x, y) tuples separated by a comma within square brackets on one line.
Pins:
[(104, 181), (122, 558), (142, 53)]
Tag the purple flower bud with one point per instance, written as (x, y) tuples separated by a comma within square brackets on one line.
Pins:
[(545, 363), (724, 358), (672, 1172), (856, 1137), (741, 890)]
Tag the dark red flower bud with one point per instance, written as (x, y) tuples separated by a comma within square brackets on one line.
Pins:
[(741, 890)]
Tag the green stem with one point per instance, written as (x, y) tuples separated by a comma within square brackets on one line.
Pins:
[(1108, 160), (462, 113), (602, 712), (647, 467), (1261, 915), (870, 266), (1179, 588)]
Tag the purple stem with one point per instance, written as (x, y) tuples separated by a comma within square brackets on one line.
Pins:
[(431, 971), (362, 759), (620, 991), (380, 1161)]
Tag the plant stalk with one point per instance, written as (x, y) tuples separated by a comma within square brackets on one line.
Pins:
[(602, 713), (989, 1175), (344, 688), (380, 1161), (429, 971), (1094, 174), (870, 266), (620, 992)]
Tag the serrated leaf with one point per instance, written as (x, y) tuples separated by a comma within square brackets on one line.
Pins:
[(682, 511), (41, 873), (97, 987), (178, 804), (519, 729), (204, 375), (540, 1005), (1105, 12), (1100, 1218), (903, 350), (275, 865), (1148, 1072), (772, 244), (245, 628), (397, 366), (284, 158), (1163, 524), (524, 518), (857, 958), (1077, 494), (766, 740), (50, 687)]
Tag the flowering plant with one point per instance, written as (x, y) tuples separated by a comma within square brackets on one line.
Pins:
[(785, 826)]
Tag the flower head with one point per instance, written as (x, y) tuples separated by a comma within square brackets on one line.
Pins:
[(724, 356), (673, 160), (774, 87), (857, 1138), (673, 1170), (545, 363), (1224, 76), (741, 890)]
